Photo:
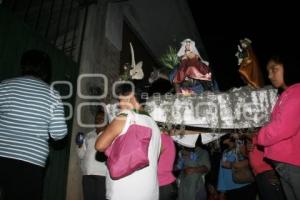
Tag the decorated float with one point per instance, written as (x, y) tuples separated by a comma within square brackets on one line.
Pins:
[(197, 106)]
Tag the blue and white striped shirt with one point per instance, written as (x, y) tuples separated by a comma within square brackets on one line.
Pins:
[(30, 113)]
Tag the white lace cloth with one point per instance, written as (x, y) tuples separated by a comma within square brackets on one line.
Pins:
[(237, 109)]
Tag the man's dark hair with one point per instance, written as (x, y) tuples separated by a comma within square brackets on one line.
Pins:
[(139, 90), (36, 63)]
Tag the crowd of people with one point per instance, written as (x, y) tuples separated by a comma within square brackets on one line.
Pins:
[(251, 165), (264, 164)]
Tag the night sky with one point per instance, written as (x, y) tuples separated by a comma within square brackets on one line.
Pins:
[(272, 29)]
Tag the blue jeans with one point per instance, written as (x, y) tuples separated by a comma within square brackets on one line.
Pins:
[(290, 179)]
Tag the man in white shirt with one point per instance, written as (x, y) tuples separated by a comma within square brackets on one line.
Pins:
[(92, 163)]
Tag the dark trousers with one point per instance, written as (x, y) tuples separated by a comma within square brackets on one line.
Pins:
[(247, 192), (168, 192), (290, 179), (20, 180), (94, 187), (269, 187)]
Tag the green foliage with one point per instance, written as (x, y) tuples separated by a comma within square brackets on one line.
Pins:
[(170, 58)]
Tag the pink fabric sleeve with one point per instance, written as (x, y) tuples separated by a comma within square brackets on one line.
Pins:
[(285, 121)]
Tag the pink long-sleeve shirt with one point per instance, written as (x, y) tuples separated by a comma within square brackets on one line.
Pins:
[(256, 159), (281, 136), (166, 161)]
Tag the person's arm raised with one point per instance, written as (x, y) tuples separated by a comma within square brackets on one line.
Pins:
[(110, 133)]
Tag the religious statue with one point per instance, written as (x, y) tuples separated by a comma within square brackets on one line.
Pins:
[(249, 67), (187, 70)]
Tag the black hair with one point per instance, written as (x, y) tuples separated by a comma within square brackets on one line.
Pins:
[(100, 111), (223, 138), (289, 66), (36, 63), (137, 87), (228, 136)]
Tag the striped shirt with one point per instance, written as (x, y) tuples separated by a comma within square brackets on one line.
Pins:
[(30, 113)]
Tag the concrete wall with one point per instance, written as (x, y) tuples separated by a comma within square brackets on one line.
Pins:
[(99, 55)]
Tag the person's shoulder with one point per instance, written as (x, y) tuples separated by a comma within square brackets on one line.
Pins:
[(294, 87), (55, 93), (27, 81), (10, 80), (293, 90), (23, 81), (3, 84)]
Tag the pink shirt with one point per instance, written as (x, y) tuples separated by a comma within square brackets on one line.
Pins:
[(256, 159), (166, 161), (281, 136)]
